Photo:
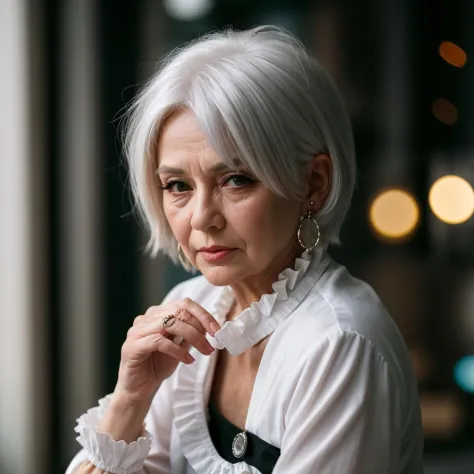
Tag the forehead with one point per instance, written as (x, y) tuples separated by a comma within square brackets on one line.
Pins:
[(181, 140), (181, 132)]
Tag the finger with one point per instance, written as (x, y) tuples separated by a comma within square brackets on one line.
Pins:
[(138, 320), (191, 335), (183, 327), (159, 343), (185, 316), (206, 319), (154, 322), (152, 311), (176, 339)]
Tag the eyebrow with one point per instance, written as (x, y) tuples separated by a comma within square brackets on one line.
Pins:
[(217, 168)]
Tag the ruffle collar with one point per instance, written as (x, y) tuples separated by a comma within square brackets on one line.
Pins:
[(263, 316)]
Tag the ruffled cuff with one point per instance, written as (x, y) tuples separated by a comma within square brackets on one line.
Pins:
[(117, 457)]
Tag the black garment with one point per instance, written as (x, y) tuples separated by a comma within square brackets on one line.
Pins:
[(259, 453)]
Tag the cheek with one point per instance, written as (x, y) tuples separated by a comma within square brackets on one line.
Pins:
[(282, 221), (266, 222), (177, 221), (246, 217)]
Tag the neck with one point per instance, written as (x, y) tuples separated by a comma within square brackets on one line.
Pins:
[(251, 289)]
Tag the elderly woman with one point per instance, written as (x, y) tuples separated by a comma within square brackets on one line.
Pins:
[(275, 359)]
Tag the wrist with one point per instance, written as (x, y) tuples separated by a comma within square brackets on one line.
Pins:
[(124, 419)]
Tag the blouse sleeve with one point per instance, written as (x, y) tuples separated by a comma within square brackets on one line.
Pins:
[(149, 454), (345, 413)]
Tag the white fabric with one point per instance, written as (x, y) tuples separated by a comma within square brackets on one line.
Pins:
[(262, 317), (335, 389), (105, 453)]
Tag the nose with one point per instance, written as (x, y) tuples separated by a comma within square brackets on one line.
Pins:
[(206, 213)]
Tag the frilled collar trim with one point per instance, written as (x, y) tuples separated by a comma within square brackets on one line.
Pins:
[(263, 316)]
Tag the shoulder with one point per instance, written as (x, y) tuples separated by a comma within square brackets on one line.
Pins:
[(339, 301), (344, 314)]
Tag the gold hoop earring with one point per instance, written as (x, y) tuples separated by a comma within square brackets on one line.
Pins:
[(310, 220), (183, 260)]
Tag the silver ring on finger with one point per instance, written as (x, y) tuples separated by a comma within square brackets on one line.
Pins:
[(168, 321)]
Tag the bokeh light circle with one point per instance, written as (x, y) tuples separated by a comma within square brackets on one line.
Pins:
[(445, 111), (394, 214), (464, 373), (451, 199), (188, 10), (452, 54)]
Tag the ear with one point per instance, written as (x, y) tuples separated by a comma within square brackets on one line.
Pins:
[(319, 182)]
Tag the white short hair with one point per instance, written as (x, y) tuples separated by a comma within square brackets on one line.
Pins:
[(258, 96)]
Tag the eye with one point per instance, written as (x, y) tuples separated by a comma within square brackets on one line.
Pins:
[(238, 180), (176, 187)]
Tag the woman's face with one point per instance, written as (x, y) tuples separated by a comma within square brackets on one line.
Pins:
[(230, 226)]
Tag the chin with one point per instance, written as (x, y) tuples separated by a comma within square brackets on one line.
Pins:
[(223, 275)]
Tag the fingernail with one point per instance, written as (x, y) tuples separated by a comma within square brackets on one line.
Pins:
[(190, 358), (215, 327)]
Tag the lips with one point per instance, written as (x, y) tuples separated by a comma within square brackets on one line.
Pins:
[(214, 248), (215, 253)]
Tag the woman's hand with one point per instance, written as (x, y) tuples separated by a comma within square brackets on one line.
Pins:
[(151, 352)]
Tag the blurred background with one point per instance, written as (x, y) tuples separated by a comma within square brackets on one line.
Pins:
[(73, 274)]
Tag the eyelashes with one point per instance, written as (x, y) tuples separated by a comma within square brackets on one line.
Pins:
[(170, 184), (175, 186), (239, 180)]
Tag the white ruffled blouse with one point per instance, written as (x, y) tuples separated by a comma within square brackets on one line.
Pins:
[(335, 389)]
